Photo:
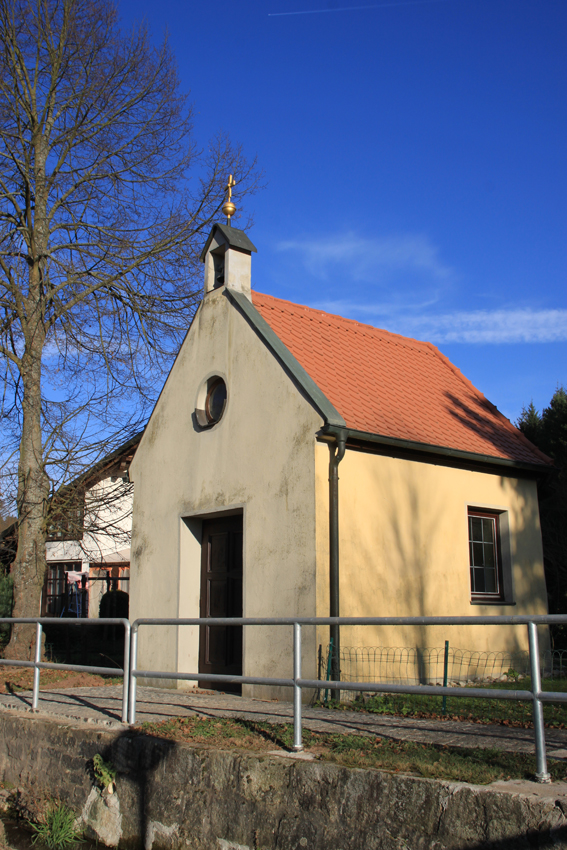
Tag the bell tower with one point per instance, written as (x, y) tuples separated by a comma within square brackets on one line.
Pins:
[(227, 254)]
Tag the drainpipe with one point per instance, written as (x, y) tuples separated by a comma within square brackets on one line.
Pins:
[(337, 452)]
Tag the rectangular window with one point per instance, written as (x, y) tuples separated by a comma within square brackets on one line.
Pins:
[(56, 586), (485, 556)]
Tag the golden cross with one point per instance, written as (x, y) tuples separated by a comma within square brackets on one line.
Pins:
[(229, 185)]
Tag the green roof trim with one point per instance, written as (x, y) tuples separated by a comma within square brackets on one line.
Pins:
[(446, 451), (235, 238), (292, 366)]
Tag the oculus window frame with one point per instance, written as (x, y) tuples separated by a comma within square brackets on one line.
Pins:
[(211, 401)]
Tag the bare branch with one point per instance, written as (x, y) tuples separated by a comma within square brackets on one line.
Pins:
[(105, 202)]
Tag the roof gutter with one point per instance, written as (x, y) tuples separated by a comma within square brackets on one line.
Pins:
[(354, 436), (336, 454)]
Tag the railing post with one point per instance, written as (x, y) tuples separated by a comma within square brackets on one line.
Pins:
[(539, 731), (126, 675), (297, 736), (131, 678), (37, 659)]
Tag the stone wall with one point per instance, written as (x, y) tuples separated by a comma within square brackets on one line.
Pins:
[(177, 796)]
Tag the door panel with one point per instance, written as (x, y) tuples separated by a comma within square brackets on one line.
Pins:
[(220, 647)]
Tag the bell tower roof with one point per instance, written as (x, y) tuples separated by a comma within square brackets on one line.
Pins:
[(231, 237)]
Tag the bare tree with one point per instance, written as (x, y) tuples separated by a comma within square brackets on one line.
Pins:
[(104, 205)]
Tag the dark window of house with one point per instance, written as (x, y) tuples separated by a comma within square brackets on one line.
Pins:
[(56, 587), (66, 516), (484, 556)]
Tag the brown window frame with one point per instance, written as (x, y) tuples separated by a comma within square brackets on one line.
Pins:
[(499, 594)]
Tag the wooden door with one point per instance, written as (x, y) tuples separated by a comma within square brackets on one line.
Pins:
[(220, 647)]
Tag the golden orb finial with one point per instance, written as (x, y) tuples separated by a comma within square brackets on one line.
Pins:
[(228, 207)]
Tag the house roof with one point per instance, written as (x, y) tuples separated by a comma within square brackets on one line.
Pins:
[(89, 477), (393, 386)]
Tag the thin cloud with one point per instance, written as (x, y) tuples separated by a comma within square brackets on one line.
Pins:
[(355, 8), (476, 327), (369, 259), (498, 326)]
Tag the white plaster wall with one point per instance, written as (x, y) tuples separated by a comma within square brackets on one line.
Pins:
[(108, 524), (258, 459), (108, 515)]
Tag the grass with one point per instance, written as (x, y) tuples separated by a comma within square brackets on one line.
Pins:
[(216, 732), (505, 712), (477, 766), (16, 679), (57, 829)]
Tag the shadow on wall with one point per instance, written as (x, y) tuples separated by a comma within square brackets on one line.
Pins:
[(411, 539), (405, 576), (475, 419), (396, 561), (532, 839), (530, 585), (137, 766)]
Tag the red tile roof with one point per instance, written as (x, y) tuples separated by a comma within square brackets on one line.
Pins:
[(390, 385)]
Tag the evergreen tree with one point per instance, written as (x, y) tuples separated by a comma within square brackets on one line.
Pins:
[(548, 432), (529, 423)]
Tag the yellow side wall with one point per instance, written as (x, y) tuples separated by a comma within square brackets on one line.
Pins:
[(404, 550)]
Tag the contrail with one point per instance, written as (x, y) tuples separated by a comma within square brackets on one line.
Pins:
[(354, 8)]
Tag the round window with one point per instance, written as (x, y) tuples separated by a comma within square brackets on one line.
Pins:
[(215, 401)]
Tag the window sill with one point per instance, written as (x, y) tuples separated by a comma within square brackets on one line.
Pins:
[(500, 602)]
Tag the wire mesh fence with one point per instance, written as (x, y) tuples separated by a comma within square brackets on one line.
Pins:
[(426, 666)]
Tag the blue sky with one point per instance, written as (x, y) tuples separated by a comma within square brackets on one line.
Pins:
[(414, 154)]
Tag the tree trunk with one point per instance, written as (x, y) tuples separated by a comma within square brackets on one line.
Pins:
[(29, 567)]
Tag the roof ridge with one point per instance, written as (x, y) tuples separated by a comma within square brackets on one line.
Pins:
[(418, 342)]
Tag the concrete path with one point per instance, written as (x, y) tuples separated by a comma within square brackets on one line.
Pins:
[(103, 705)]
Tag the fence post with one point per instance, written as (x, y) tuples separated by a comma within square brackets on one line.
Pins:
[(539, 731), (132, 679), (35, 698), (445, 676), (297, 736), (126, 668), (329, 662)]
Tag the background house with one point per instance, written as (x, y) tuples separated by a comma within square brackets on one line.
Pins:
[(436, 510), (88, 548), (88, 544)]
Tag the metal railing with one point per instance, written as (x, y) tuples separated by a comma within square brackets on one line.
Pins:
[(38, 664), (297, 683)]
